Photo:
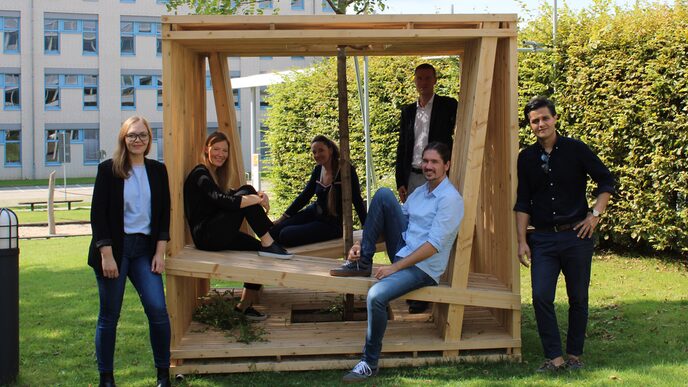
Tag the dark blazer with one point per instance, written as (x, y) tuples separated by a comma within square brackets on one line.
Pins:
[(442, 122), (107, 210)]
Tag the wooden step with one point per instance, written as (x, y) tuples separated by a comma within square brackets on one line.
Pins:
[(406, 333), (303, 272)]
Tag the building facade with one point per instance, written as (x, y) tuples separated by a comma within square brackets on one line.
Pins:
[(71, 71)]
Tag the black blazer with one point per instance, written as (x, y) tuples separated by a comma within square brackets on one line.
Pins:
[(442, 122), (107, 211)]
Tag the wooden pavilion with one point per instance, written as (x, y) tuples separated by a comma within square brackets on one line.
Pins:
[(477, 306)]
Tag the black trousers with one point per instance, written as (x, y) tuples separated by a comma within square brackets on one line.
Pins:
[(221, 232), (306, 226)]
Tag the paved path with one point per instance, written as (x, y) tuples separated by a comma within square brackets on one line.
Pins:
[(61, 230), (11, 196)]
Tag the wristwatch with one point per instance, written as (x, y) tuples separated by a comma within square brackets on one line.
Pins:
[(596, 213)]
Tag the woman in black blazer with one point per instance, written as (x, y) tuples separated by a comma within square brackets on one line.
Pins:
[(130, 220)]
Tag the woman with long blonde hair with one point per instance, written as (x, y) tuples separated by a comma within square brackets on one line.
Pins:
[(215, 213), (130, 220)]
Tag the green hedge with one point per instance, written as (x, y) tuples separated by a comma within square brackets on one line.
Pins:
[(619, 78)]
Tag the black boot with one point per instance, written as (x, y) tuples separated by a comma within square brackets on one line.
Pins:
[(107, 379), (164, 377)]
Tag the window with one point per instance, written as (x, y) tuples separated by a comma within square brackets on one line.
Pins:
[(54, 83), (157, 139), (10, 28), (127, 38), (91, 139), (130, 29), (9, 84), (158, 39), (158, 81), (90, 92), (131, 83), (263, 98), (90, 41), (58, 145), (265, 58), (128, 93), (51, 36), (52, 92), (265, 4), (297, 5), (54, 27), (127, 1), (11, 138)]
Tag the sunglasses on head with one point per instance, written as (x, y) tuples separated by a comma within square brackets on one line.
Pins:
[(545, 163)]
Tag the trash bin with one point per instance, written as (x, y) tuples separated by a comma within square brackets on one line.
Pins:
[(9, 296)]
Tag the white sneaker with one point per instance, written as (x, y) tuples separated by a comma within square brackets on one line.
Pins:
[(360, 373)]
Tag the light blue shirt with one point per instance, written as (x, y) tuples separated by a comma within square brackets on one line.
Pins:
[(137, 202), (433, 217)]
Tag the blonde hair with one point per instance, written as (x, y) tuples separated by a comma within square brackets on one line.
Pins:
[(121, 162), (219, 174)]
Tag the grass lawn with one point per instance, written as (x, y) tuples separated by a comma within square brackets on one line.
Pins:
[(637, 333), (40, 215), (44, 182)]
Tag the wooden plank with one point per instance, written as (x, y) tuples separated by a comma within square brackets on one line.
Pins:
[(313, 273), (226, 115), (336, 21), (476, 87), (385, 49), (310, 364)]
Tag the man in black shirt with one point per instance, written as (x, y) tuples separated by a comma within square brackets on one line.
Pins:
[(552, 178)]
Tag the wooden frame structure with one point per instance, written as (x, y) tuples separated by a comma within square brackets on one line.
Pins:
[(477, 306)]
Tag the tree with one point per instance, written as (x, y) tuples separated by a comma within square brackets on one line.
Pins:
[(251, 7)]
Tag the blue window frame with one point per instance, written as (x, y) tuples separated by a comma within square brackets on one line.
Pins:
[(265, 58), (128, 92), (10, 34), (127, 40), (265, 4), (127, 1), (58, 143), (11, 139), (131, 83), (162, 1), (129, 30), (9, 86), (54, 83), (53, 28), (157, 138), (297, 5)]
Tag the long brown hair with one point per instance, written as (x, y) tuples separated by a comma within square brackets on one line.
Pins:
[(121, 162), (219, 174), (334, 167)]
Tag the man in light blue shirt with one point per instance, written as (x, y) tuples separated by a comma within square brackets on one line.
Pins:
[(419, 236)]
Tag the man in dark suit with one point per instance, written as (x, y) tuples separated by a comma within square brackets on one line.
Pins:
[(431, 118)]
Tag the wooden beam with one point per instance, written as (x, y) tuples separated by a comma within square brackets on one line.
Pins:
[(344, 163), (467, 155)]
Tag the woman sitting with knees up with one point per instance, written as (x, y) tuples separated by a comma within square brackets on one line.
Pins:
[(215, 214), (321, 220)]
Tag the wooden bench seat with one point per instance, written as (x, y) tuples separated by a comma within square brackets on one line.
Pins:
[(33, 203), (312, 273), (334, 248)]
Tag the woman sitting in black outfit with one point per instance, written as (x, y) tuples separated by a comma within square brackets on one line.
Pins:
[(215, 213), (322, 220)]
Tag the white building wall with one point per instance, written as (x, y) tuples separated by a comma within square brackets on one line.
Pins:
[(33, 64)]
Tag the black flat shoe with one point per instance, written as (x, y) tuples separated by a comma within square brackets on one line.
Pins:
[(164, 382)]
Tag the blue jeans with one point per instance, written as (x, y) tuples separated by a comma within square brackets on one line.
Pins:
[(136, 264), (552, 253), (386, 218)]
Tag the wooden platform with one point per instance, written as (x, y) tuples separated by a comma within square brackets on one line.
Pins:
[(409, 340), (304, 272)]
